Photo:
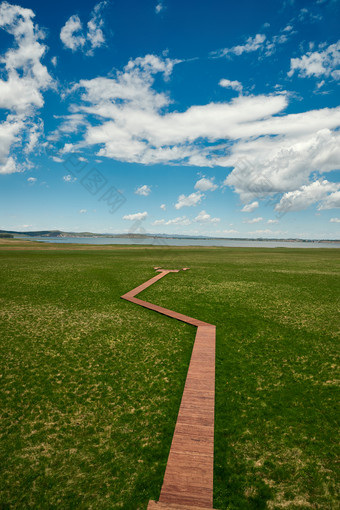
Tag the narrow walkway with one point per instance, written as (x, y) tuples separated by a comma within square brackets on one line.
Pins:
[(188, 479)]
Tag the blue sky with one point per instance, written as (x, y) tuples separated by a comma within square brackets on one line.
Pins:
[(210, 118)]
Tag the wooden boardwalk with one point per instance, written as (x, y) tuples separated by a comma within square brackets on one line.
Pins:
[(188, 479)]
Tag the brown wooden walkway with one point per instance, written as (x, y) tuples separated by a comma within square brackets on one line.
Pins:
[(188, 479)]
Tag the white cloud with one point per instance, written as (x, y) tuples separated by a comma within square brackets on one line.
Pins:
[(83, 211), (335, 220), (331, 202), (307, 195), (282, 163), (133, 130), (22, 82), (235, 85), (272, 221), (73, 36), (32, 180), (180, 220), (69, 178), (56, 159), (54, 61), (266, 231), (9, 166), (232, 231), (259, 42), (189, 201), (270, 152), (159, 7), (136, 128), (251, 44), (72, 33), (325, 62), (250, 207), (254, 220), (33, 136), (143, 190), (26, 75), (205, 184), (95, 34), (163, 207), (71, 125), (204, 217), (136, 217), (271, 45)]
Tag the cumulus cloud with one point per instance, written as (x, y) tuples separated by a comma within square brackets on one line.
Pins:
[(32, 180), (250, 45), (204, 217), (69, 178), (331, 202), (189, 201), (136, 217), (231, 84), (288, 28), (159, 7), (73, 36), (231, 231), (136, 127), (95, 34), (72, 33), (254, 220), (282, 163), (23, 79), (180, 220), (83, 211), (250, 207), (272, 221), (335, 220), (266, 231), (325, 62), (317, 191), (144, 190), (163, 207), (205, 184), (260, 42), (270, 152)]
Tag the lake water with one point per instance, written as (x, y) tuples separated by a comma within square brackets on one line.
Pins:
[(188, 242)]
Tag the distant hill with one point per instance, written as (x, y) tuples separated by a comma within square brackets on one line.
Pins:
[(36, 233)]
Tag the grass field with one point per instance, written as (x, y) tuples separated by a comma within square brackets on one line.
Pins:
[(91, 384)]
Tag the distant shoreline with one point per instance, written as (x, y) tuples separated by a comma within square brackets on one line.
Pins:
[(57, 234), (166, 243)]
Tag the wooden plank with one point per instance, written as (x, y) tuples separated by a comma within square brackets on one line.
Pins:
[(158, 505), (188, 479)]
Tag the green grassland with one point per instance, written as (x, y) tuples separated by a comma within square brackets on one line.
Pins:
[(91, 384)]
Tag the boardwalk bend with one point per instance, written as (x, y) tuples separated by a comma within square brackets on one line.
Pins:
[(188, 479)]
